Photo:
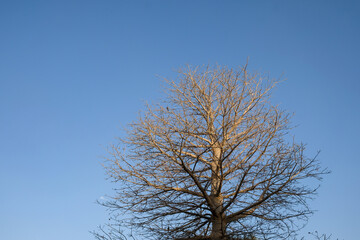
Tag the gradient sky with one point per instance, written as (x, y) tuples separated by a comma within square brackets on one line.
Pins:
[(74, 73)]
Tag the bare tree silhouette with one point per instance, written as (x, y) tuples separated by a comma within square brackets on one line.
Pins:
[(213, 160)]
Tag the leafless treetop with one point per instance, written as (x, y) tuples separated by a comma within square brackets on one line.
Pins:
[(213, 160)]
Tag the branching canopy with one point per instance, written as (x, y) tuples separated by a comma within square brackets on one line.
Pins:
[(213, 160)]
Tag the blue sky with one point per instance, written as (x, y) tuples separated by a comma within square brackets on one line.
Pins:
[(73, 73)]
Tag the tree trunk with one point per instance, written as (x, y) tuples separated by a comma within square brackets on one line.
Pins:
[(218, 231)]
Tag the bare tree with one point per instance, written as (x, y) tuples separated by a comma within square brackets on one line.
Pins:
[(213, 161)]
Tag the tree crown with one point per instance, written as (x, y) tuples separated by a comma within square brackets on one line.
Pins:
[(212, 160)]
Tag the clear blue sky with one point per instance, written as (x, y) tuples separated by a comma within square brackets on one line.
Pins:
[(72, 73)]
